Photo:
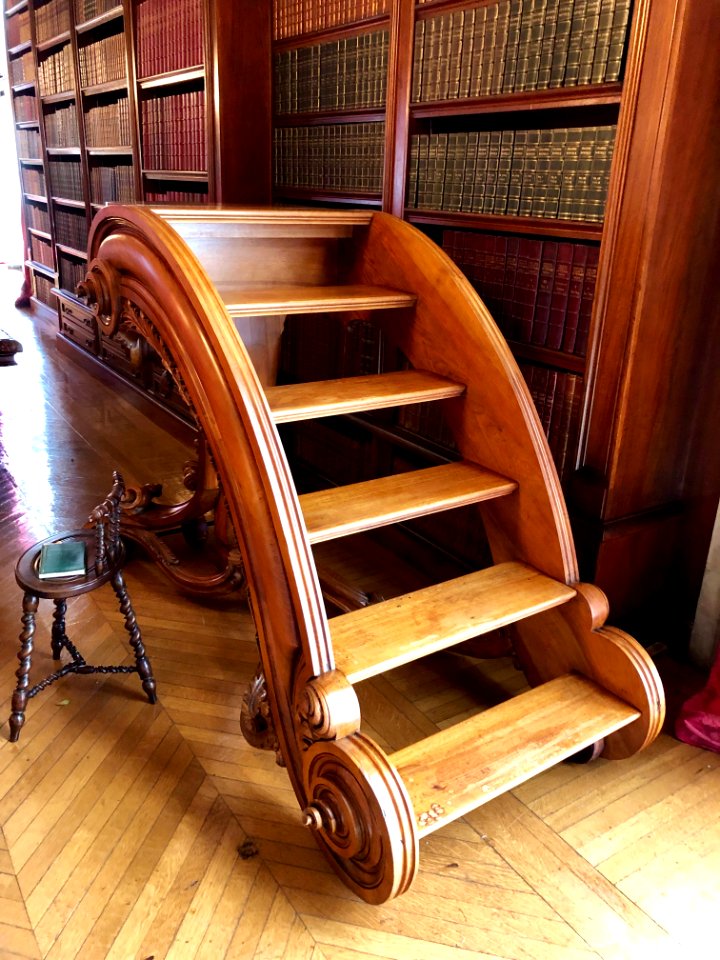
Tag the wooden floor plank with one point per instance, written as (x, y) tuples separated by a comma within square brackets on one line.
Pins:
[(81, 901), (150, 899), (17, 943), (387, 945), (17, 938), (606, 920), (644, 853), (174, 906), (447, 921), (62, 842), (600, 785), (141, 866), (208, 891), (230, 910), (256, 912), (646, 809)]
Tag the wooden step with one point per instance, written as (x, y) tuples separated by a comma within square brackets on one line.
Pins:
[(458, 769), (385, 635), (327, 398), (251, 300), (195, 223), (342, 511)]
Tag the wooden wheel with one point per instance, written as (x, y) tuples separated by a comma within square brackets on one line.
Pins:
[(362, 816)]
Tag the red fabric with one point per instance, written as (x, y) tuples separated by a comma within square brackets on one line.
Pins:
[(698, 722)]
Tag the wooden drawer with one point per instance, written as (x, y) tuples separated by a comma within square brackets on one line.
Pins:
[(78, 325), (117, 354)]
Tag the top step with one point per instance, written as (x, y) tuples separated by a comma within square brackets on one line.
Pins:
[(226, 221)]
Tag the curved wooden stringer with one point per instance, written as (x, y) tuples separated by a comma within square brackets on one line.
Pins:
[(200, 286)]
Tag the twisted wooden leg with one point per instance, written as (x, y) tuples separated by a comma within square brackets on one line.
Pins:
[(19, 700), (58, 638), (142, 663)]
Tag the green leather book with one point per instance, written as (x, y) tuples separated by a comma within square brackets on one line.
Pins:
[(64, 559)]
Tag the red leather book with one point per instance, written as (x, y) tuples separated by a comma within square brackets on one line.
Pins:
[(577, 277), (560, 290), (586, 301), (541, 323)]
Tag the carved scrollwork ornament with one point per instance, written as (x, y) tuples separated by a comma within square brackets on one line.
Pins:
[(361, 815), (101, 290), (326, 708), (131, 315), (256, 720)]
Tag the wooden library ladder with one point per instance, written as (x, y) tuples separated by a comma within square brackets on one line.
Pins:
[(189, 279)]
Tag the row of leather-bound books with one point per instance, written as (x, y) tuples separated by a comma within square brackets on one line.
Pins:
[(173, 131), (71, 228), (296, 17), (28, 144), (71, 271), (22, 68), (107, 124), (345, 74), (517, 45), (61, 125), (558, 398), (112, 182), (539, 292), (557, 173), (66, 178), (103, 61), (169, 36), (56, 73), (17, 29), (51, 19), (89, 9), (37, 216), (335, 157)]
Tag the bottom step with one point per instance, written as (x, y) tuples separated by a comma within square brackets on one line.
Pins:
[(458, 769)]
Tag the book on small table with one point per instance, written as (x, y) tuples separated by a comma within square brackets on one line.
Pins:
[(63, 559)]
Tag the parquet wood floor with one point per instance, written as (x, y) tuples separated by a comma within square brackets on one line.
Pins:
[(136, 831)]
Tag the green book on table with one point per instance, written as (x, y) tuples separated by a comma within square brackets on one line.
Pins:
[(63, 559)]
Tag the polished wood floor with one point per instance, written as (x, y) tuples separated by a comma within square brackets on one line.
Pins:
[(137, 831)]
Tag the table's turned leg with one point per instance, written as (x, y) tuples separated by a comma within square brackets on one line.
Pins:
[(142, 663), (19, 699), (58, 638)]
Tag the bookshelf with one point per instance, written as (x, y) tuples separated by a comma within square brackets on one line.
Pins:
[(131, 100), (330, 77), (552, 149)]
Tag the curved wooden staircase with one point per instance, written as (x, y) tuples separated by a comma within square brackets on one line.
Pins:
[(189, 280)]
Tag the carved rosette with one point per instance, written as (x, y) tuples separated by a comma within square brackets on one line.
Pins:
[(362, 816)]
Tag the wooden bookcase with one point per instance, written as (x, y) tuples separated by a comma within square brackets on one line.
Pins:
[(481, 100), (137, 100)]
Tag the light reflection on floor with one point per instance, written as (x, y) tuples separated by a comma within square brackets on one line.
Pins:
[(23, 420)]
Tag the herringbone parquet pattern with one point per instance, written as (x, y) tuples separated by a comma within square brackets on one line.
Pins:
[(137, 831)]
